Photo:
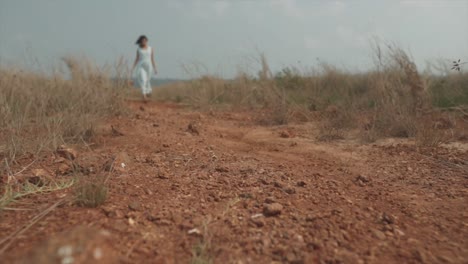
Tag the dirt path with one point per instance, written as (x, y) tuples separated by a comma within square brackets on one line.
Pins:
[(203, 192)]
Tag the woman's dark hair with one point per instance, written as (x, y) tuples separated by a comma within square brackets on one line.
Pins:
[(140, 39)]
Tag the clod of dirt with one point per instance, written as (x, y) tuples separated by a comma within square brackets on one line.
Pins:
[(278, 184), (301, 183), (135, 206), (64, 168), (270, 200), (379, 234), (258, 221), (289, 190), (193, 128), (113, 212), (67, 153), (273, 209), (361, 180), (39, 177), (162, 175), (221, 169), (387, 219), (115, 132), (285, 134)]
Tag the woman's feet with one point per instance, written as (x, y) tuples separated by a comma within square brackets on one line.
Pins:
[(146, 97)]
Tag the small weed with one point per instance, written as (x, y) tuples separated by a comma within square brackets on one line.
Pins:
[(91, 193), (201, 254)]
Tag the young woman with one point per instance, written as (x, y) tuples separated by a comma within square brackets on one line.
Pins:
[(145, 66)]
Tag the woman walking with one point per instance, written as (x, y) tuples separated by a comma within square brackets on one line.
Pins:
[(145, 66)]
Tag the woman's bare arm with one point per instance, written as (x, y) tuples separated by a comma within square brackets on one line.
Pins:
[(136, 61), (152, 61)]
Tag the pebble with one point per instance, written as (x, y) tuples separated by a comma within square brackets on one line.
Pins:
[(272, 209), (379, 234), (135, 206)]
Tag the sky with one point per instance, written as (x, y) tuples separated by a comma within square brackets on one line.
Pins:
[(223, 36)]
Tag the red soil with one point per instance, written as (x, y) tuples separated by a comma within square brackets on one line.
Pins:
[(207, 186)]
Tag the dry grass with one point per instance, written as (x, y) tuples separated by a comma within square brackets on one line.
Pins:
[(14, 192), (91, 192), (39, 112), (389, 101)]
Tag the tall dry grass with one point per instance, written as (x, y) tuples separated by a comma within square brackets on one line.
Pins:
[(39, 112), (391, 100)]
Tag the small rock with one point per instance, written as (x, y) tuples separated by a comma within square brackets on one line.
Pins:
[(112, 212), (135, 206), (399, 232), (60, 160), (301, 183), (221, 169), (362, 178), (285, 134), (193, 128), (290, 190), (64, 169), (162, 175), (270, 200), (258, 221), (194, 231), (378, 234), (67, 153), (263, 181), (278, 184), (272, 209)]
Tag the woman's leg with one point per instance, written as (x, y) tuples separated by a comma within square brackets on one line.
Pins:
[(142, 78)]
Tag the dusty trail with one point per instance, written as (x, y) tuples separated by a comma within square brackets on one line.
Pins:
[(342, 202)]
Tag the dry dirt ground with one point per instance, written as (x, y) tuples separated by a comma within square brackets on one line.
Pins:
[(217, 188)]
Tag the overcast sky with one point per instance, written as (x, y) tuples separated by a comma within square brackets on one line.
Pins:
[(223, 34)]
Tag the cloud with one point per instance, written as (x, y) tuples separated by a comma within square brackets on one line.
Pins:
[(288, 7), (220, 7), (311, 42), (335, 7), (201, 8), (350, 36)]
